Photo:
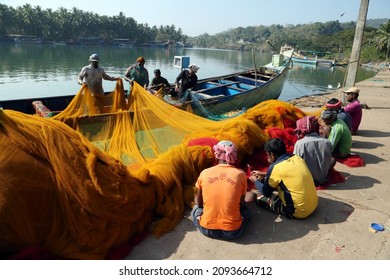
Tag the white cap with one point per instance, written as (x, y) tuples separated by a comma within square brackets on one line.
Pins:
[(94, 57), (194, 67)]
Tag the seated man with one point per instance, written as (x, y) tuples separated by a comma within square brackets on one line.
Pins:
[(339, 134), (159, 81), (314, 149), (335, 104), (289, 175), (219, 210), (354, 108)]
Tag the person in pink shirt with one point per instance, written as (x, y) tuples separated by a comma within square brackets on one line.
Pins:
[(354, 108)]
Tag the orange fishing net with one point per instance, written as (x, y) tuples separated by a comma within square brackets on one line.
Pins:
[(107, 168)]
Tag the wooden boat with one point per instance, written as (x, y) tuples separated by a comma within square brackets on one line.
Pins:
[(217, 96), (326, 62), (304, 59), (55, 103)]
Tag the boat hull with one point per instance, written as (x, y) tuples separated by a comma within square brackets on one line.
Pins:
[(235, 92), (304, 60)]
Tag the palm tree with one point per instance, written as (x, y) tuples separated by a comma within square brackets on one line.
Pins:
[(383, 38)]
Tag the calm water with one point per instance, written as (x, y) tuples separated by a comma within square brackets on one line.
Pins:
[(31, 71)]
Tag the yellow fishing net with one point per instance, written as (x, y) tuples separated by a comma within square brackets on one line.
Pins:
[(107, 168)]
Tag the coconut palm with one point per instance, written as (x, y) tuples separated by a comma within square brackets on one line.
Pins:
[(383, 38)]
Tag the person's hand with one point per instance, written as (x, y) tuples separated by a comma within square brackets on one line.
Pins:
[(177, 88), (324, 131), (258, 175)]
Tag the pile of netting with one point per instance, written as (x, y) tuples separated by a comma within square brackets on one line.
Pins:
[(106, 169)]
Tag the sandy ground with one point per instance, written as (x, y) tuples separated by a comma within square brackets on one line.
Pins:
[(339, 228)]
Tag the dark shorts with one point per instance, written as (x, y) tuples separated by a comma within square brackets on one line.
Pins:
[(221, 234)]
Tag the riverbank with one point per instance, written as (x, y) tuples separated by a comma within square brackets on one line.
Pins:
[(339, 228)]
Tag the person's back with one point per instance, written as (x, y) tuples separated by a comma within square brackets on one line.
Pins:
[(316, 151), (341, 139), (291, 176), (221, 196), (219, 205)]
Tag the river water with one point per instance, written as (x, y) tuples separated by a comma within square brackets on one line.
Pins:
[(32, 71)]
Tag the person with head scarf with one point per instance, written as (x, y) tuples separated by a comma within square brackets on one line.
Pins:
[(92, 75), (354, 108), (315, 150), (187, 79), (289, 175), (339, 135), (138, 73), (335, 104), (219, 211)]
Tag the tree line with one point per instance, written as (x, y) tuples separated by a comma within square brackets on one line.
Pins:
[(332, 38), (64, 25)]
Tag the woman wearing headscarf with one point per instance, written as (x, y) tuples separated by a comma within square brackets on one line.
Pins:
[(219, 211), (314, 149)]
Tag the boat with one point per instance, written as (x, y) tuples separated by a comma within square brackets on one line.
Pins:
[(55, 103), (215, 97), (326, 62), (304, 59), (289, 51)]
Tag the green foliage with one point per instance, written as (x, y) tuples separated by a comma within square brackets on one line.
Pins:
[(333, 38), (63, 25)]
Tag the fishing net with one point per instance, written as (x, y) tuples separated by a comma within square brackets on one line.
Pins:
[(108, 168)]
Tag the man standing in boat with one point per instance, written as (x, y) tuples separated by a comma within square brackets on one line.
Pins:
[(138, 73), (92, 75), (187, 79)]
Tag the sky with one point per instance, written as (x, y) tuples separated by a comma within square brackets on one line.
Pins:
[(214, 16)]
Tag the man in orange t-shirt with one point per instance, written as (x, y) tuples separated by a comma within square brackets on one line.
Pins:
[(219, 210)]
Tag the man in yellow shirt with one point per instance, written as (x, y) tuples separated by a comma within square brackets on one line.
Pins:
[(289, 175), (219, 211)]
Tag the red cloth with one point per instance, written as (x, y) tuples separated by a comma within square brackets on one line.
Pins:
[(353, 160), (334, 177), (205, 141), (287, 135)]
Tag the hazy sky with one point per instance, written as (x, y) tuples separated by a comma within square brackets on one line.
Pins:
[(212, 16)]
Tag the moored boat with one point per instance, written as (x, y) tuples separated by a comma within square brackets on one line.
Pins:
[(215, 97), (304, 59)]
